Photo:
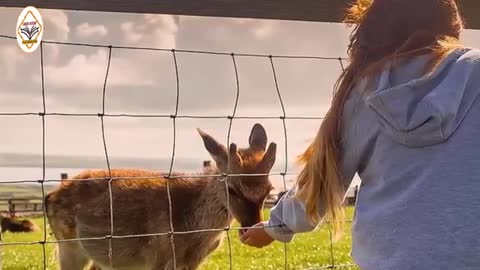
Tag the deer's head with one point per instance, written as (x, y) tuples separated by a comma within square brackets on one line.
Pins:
[(250, 185)]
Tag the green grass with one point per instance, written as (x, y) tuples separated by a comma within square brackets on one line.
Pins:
[(27, 256), (306, 251)]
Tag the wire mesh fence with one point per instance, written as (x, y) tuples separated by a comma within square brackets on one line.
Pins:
[(169, 175)]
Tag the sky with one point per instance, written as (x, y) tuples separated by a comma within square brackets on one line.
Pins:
[(144, 82)]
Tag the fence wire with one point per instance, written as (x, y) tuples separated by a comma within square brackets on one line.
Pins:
[(170, 175), (42, 181)]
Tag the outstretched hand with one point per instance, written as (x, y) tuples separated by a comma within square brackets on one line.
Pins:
[(256, 236)]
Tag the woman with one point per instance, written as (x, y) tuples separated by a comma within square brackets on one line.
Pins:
[(405, 117)]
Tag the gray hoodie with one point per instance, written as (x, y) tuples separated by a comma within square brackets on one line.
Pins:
[(414, 140)]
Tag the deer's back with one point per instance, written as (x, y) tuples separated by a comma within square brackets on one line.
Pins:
[(141, 218), (139, 204)]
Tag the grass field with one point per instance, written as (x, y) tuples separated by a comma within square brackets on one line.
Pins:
[(11, 191), (307, 251)]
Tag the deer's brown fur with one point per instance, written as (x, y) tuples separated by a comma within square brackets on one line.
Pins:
[(16, 225), (81, 209)]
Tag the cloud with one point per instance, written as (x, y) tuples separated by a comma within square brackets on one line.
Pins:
[(89, 71), (128, 29), (59, 20), (144, 82), (155, 30), (258, 29), (87, 30), (10, 58), (264, 30)]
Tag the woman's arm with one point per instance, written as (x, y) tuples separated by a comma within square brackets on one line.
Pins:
[(288, 216)]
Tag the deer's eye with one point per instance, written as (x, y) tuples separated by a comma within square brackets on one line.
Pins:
[(232, 191)]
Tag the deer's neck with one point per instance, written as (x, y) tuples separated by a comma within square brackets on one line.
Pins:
[(212, 212)]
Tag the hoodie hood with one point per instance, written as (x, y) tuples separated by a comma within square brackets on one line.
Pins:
[(420, 110)]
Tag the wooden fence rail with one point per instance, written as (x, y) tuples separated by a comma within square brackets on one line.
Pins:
[(23, 206)]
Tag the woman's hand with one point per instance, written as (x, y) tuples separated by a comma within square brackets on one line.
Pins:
[(256, 236)]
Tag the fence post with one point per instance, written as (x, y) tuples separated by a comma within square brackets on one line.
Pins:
[(1, 240), (11, 208)]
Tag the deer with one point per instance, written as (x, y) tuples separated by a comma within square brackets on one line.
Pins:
[(141, 239), (17, 226)]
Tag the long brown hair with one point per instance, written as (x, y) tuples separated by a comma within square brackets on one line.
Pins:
[(384, 31)]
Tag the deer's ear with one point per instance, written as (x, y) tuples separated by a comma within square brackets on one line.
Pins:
[(216, 150), (258, 137), (268, 159), (235, 159)]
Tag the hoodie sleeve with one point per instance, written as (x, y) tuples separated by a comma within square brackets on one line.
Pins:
[(288, 216)]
